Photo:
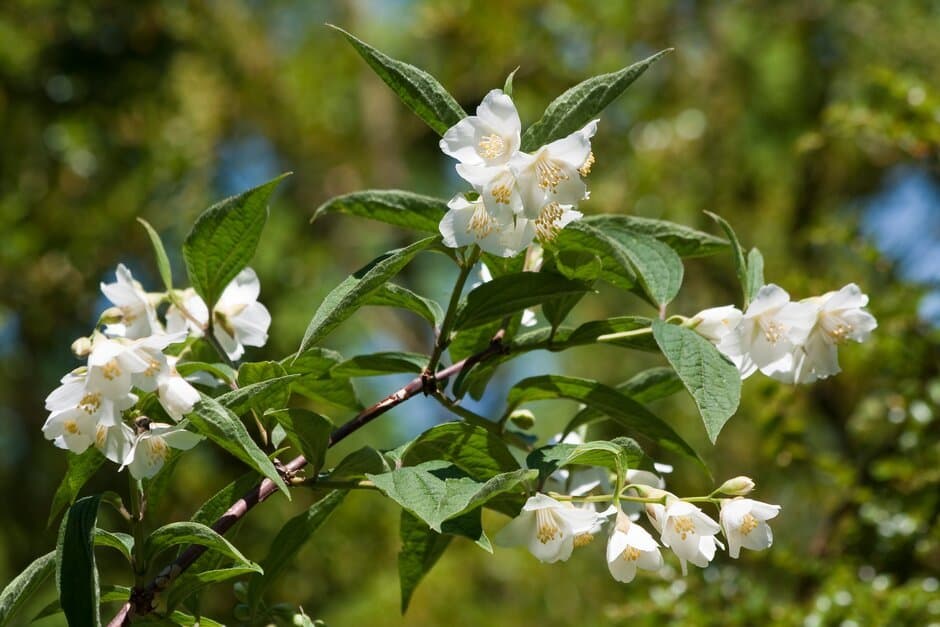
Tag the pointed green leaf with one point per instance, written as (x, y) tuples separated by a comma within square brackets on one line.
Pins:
[(657, 267), (359, 463), (581, 103), (619, 455), (317, 383), (221, 371), (191, 583), (740, 264), (391, 295), (647, 386), (473, 449), (511, 294), (213, 509), (417, 89), (686, 241), (378, 364), (755, 273), (76, 573), (187, 532), (163, 262), (224, 428), (120, 542), (307, 431), (577, 265), (24, 585), (80, 469), (224, 238), (261, 396), (349, 295), (392, 206), (712, 380)]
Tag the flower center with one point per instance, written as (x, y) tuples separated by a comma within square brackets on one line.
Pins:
[(773, 331), (583, 539), (152, 368), (630, 554), (127, 314), (71, 427), (546, 527), (836, 328), (158, 450), (585, 168), (101, 434), (492, 146), (683, 525), (549, 174), (111, 370), (481, 223), (748, 524), (90, 403), (546, 225)]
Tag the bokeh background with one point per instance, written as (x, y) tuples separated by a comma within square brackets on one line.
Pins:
[(812, 125)]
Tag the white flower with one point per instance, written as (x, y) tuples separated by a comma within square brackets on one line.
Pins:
[(552, 175), (769, 331), (686, 530), (715, 323), (744, 524), (551, 219), (152, 446), (176, 395), (548, 528), (488, 138), (470, 222), (238, 319), (630, 547), (840, 318), (138, 314), (115, 442), (77, 409)]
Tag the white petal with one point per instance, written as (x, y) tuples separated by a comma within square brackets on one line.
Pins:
[(518, 531), (251, 325)]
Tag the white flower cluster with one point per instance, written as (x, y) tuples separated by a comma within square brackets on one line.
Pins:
[(551, 529), (91, 407), (521, 197), (793, 342)]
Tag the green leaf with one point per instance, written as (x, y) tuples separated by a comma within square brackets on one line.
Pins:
[(647, 386), (80, 469), (619, 455), (191, 583), (436, 491), (391, 295), (588, 333), (186, 532), (620, 408), (224, 238), (657, 267), (712, 380), (392, 206), (109, 594), (359, 463), (378, 364), (308, 431), (24, 585), (163, 262), (421, 547), (473, 449), (221, 426), (76, 573), (121, 542), (740, 265), (261, 396), (213, 509), (289, 540), (581, 103), (316, 382), (577, 265), (686, 241), (507, 84), (512, 293), (219, 370), (416, 88), (755, 273), (616, 266), (351, 294)]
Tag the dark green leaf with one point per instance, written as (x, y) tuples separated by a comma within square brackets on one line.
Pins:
[(588, 333), (421, 547), (80, 469), (473, 449), (163, 262), (76, 573), (512, 293), (740, 265), (581, 103), (577, 265), (120, 542), (712, 380), (686, 241), (392, 206), (213, 509), (616, 266), (109, 594), (308, 431), (645, 387), (220, 371), (316, 382), (175, 534), (261, 396), (378, 364), (417, 89), (755, 273), (191, 583), (225, 429), (619, 455), (657, 267), (351, 294), (359, 463), (391, 295), (24, 585), (224, 238)]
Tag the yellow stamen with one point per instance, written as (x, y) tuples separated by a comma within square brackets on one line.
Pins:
[(502, 194), (90, 403), (546, 527), (773, 331), (748, 524), (630, 554), (549, 174), (111, 370), (585, 168), (683, 525), (71, 426), (492, 146), (481, 223), (583, 539), (152, 368), (101, 434), (158, 450), (546, 225), (127, 315)]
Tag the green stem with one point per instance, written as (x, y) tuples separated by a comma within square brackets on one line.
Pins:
[(443, 337), (137, 530), (613, 337)]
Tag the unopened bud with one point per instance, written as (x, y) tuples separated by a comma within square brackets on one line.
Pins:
[(111, 315), (81, 347), (738, 486), (649, 492), (523, 418)]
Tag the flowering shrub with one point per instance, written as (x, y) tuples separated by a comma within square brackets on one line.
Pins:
[(164, 372)]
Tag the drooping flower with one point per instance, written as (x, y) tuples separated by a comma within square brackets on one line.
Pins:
[(152, 446), (548, 528), (138, 314), (744, 522), (470, 222), (769, 331), (686, 530), (115, 442), (238, 319), (176, 395), (77, 409), (630, 547)]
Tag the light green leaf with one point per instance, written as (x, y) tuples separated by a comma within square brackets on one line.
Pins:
[(416, 88), (261, 396), (80, 469), (224, 238), (24, 585), (76, 573), (616, 267), (163, 262), (581, 103), (316, 382), (221, 371), (121, 542), (308, 431), (647, 386), (577, 265), (187, 532), (473, 449), (686, 241), (351, 294), (289, 540), (213, 509), (740, 264), (359, 463), (191, 583), (755, 273), (620, 408), (712, 380), (391, 295), (619, 455), (657, 267), (378, 364), (511, 294), (392, 206), (225, 429)]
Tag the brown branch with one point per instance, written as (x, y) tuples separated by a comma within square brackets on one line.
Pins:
[(142, 600)]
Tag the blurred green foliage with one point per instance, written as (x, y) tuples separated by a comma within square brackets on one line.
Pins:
[(785, 118)]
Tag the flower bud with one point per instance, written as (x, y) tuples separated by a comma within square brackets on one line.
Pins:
[(111, 315), (523, 418), (738, 486), (81, 347), (649, 492)]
